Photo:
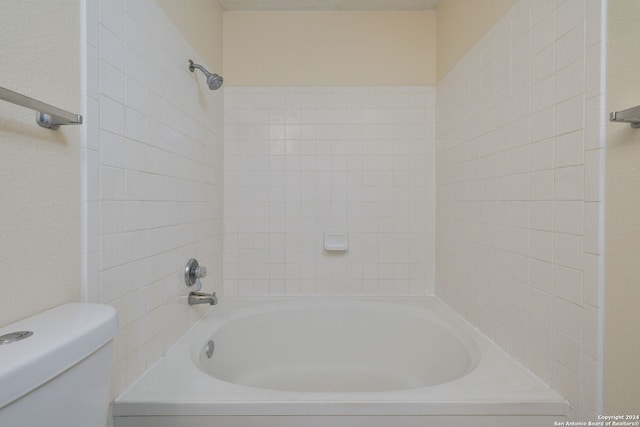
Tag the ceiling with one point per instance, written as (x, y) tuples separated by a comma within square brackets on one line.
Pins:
[(329, 4)]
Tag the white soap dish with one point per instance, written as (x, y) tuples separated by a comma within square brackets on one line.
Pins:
[(336, 242)]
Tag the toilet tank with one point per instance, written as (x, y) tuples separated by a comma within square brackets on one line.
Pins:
[(61, 374)]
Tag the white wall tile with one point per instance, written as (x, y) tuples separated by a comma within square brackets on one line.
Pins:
[(111, 48), (569, 149), (570, 115), (570, 46), (542, 128), (569, 14), (112, 15), (569, 183), (112, 149), (567, 351), (570, 81), (111, 115), (568, 284), (134, 34), (568, 217)]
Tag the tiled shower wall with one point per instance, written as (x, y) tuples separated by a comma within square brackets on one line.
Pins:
[(152, 167), (300, 162), (519, 192)]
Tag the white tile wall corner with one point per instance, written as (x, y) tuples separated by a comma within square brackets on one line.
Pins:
[(300, 162), (152, 177), (519, 191)]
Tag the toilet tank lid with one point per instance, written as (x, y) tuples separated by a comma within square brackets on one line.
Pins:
[(62, 337)]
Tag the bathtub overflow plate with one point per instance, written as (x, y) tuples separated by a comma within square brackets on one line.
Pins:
[(14, 336), (209, 349)]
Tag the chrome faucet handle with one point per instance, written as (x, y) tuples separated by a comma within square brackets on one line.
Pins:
[(201, 272), (193, 272)]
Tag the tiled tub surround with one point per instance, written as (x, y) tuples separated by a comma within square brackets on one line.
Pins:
[(518, 188), (519, 194), (152, 164), (300, 162)]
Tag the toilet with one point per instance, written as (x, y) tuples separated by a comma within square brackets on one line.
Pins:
[(55, 367)]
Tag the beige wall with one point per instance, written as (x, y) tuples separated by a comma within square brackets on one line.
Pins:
[(200, 21), (461, 23), (622, 292), (329, 48), (39, 168), (271, 48)]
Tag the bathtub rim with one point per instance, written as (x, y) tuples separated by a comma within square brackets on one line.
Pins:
[(165, 388)]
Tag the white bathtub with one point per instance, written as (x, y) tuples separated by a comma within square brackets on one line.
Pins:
[(337, 362)]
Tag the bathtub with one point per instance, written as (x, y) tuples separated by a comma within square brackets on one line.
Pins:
[(336, 362)]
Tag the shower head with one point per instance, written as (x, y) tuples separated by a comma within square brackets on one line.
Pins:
[(214, 81)]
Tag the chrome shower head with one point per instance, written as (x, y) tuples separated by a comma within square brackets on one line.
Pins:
[(214, 81)]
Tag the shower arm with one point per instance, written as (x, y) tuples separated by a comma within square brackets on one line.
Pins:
[(193, 66)]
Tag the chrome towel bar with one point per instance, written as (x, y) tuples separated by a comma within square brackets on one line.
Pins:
[(47, 116), (630, 115)]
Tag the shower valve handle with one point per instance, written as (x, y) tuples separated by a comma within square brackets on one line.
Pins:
[(201, 272), (193, 272)]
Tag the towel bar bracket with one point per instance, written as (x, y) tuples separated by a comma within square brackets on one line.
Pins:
[(630, 115), (53, 122)]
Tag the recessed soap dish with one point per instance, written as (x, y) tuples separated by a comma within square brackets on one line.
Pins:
[(14, 336), (336, 242)]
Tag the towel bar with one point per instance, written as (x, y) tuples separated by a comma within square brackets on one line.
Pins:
[(47, 115)]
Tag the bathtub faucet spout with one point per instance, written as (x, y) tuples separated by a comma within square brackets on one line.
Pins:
[(196, 297)]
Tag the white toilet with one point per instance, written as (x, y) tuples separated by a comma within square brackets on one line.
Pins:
[(60, 375)]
